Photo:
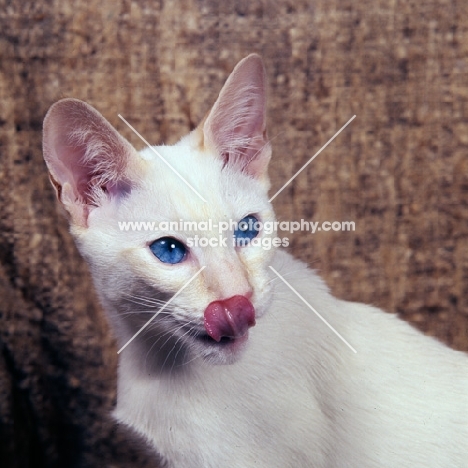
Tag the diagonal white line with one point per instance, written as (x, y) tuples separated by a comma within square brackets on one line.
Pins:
[(161, 157), (161, 309), (312, 158), (313, 310)]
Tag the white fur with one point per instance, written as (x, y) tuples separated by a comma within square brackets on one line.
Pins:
[(299, 397), (294, 395)]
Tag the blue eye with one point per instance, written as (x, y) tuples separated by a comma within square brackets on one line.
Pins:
[(168, 250), (247, 229)]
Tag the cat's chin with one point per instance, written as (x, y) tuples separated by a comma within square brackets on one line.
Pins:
[(226, 351)]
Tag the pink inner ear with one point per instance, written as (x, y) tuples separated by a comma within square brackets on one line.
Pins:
[(67, 165), (236, 126), (83, 151)]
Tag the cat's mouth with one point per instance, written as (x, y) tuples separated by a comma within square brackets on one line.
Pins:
[(224, 345), (225, 329), (205, 338), (223, 341), (226, 350)]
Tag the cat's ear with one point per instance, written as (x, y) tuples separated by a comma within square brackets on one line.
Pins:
[(87, 159), (235, 128)]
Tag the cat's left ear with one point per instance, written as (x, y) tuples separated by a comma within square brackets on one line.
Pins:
[(235, 128), (88, 161)]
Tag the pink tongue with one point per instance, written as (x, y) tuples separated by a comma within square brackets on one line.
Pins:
[(229, 318)]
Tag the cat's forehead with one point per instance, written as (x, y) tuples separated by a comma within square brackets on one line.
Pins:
[(180, 182), (182, 173)]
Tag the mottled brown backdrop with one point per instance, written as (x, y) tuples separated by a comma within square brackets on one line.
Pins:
[(399, 171)]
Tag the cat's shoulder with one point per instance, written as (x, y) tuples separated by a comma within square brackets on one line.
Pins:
[(296, 272)]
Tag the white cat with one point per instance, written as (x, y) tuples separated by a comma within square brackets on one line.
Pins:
[(287, 392)]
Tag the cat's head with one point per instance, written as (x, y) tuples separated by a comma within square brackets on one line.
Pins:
[(212, 290)]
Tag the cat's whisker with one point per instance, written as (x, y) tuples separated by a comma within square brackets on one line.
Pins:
[(169, 332), (149, 350), (136, 312), (180, 327), (162, 328), (286, 274), (141, 296), (157, 326), (192, 331), (175, 345), (183, 360), (292, 302), (141, 300), (146, 306), (160, 335), (185, 363), (293, 395)]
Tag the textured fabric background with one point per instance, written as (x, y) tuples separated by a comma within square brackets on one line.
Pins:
[(399, 171)]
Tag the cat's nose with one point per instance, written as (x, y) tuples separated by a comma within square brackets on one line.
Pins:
[(229, 318)]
